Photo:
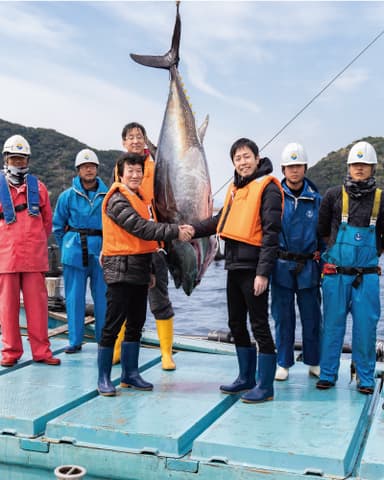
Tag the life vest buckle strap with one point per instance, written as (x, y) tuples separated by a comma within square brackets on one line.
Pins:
[(297, 257), (358, 270), (18, 208), (300, 258), (84, 232), (331, 269)]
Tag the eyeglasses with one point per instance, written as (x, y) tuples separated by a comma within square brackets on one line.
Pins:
[(88, 166), (139, 138), (131, 173)]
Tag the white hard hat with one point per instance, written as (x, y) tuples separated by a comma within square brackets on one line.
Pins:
[(16, 145), (362, 152), (86, 156), (293, 154)]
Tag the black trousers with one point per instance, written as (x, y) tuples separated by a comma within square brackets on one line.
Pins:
[(241, 301), (159, 301), (125, 301)]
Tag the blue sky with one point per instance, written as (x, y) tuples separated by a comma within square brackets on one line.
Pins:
[(250, 65)]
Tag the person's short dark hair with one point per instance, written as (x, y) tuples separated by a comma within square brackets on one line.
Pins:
[(129, 159), (131, 126), (283, 169), (244, 142)]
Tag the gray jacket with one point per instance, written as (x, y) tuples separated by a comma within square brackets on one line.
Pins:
[(134, 269)]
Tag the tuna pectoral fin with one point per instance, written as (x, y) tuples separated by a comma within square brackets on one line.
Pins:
[(203, 129), (182, 264), (171, 58)]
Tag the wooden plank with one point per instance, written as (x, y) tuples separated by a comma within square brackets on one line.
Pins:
[(64, 328)]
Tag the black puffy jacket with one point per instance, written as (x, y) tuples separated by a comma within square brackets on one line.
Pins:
[(133, 269), (240, 255)]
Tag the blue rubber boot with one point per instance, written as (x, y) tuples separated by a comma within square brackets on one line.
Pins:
[(265, 376), (129, 359), (246, 357), (104, 362)]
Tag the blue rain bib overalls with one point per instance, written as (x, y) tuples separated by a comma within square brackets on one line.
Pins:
[(352, 287)]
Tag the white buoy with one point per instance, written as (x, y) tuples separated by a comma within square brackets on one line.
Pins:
[(53, 285), (70, 472)]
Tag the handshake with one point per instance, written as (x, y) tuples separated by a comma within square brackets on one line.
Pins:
[(186, 233)]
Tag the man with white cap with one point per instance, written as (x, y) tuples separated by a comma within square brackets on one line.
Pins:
[(25, 224), (77, 228), (351, 220), (297, 271)]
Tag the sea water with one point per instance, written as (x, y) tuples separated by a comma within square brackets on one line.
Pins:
[(206, 308)]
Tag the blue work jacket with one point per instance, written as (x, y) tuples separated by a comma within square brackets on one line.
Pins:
[(81, 209), (299, 236)]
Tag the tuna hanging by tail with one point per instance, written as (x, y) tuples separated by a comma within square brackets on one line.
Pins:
[(182, 184)]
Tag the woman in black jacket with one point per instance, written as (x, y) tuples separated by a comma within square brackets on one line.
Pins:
[(130, 236)]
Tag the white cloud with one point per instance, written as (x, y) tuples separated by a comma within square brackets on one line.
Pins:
[(352, 79), (83, 107), (197, 75), (296, 22), (20, 21), (239, 60)]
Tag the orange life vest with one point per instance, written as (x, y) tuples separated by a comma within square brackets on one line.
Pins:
[(240, 219), (116, 240), (147, 185)]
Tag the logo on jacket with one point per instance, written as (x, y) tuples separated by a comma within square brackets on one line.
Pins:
[(309, 214), (358, 237)]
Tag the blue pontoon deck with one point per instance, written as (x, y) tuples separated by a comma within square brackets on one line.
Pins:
[(184, 429)]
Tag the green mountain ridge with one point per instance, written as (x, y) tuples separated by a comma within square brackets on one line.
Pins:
[(53, 158), (332, 169)]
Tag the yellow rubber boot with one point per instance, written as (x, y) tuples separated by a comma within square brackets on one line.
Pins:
[(165, 333), (117, 348)]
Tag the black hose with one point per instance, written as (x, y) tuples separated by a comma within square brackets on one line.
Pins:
[(225, 336)]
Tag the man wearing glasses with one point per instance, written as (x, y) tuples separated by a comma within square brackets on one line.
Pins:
[(135, 140), (77, 228)]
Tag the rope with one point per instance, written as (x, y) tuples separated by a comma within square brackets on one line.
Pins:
[(313, 99)]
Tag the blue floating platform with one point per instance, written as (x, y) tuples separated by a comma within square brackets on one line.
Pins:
[(303, 430), (372, 462), (36, 393), (162, 422), (185, 429)]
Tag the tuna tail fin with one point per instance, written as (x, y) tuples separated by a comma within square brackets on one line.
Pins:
[(171, 58)]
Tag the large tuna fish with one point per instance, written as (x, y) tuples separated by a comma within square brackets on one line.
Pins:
[(182, 184)]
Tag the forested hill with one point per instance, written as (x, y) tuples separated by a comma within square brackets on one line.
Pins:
[(331, 170), (53, 156)]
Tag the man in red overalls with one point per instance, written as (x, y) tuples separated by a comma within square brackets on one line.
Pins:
[(25, 224)]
